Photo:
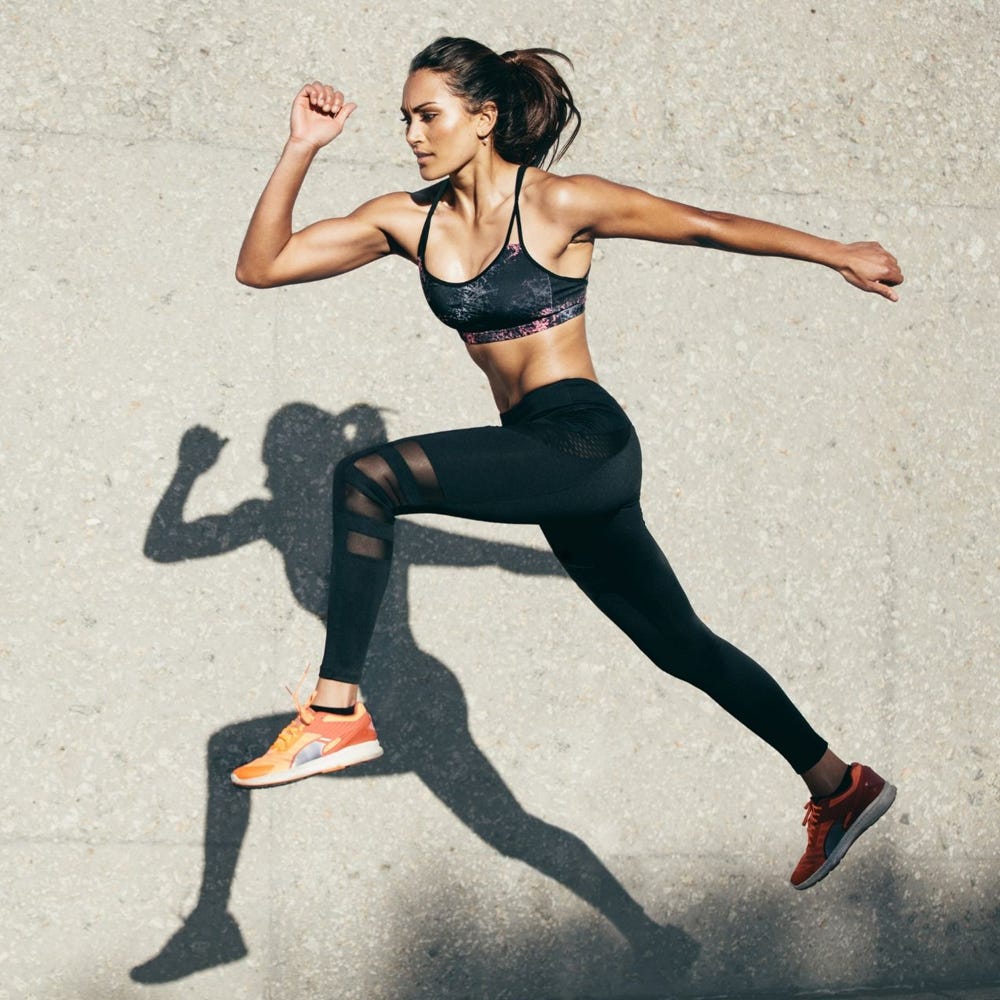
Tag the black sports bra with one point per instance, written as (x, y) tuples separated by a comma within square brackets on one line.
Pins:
[(512, 297)]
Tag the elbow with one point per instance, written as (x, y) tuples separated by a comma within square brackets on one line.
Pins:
[(251, 278), (154, 550), (157, 544), (709, 228)]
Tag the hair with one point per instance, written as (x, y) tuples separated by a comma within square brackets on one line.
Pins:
[(534, 105)]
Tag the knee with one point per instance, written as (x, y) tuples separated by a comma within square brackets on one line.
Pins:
[(364, 484), (688, 648), (694, 635), (351, 466), (341, 475)]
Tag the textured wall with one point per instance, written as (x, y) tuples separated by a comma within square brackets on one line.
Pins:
[(821, 468)]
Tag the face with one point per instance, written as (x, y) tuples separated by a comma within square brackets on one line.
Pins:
[(442, 133)]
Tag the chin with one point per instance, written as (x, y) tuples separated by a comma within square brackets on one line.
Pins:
[(431, 171)]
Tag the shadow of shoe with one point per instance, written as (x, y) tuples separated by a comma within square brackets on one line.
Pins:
[(662, 957), (205, 939)]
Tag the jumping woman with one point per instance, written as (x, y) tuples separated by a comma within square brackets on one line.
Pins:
[(503, 249)]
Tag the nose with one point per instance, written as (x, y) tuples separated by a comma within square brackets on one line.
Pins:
[(413, 133)]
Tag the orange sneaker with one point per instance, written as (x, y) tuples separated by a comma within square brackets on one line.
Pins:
[(313, 743), (834, 823)]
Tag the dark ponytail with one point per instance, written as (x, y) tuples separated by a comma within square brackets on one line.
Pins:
[(534, 105)]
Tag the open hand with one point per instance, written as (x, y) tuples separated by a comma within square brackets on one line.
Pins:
[(870, 267), (318, 114)]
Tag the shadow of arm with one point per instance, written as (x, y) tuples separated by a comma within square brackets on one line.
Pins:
[(434, 547), (170, 538)]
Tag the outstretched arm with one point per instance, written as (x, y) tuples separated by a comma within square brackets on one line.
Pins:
[(599, 208), (271, 253)]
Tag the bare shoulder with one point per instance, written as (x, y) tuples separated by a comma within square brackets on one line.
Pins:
[(577, 205), (393, 205), (594, 207), (400, 216), (572, 195)]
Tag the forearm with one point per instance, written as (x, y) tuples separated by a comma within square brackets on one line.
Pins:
[(168, 518), (271, 223), (737, 234), (868, 265)]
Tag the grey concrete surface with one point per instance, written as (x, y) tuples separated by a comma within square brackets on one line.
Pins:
[(820, 466)]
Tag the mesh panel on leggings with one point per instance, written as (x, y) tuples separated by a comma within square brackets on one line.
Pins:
[(377, 485), (580, 444)]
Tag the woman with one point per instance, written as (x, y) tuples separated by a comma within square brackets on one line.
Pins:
[(504, 248)]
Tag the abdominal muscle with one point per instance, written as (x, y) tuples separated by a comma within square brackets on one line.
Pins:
[(515, 367)]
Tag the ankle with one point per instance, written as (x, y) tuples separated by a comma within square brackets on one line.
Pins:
[(335, 694), (333, 709), (823, 778), (845, 784)]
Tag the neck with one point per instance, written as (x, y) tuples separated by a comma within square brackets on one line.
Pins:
[(482, 184)]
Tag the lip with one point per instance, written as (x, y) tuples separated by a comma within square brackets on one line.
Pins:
[(422, 156)]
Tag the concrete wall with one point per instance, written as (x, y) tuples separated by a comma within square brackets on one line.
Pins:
[(821, 468)]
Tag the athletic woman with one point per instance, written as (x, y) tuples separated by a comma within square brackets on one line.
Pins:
[(503, 249)]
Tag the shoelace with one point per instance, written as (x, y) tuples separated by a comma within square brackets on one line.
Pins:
[(811, 817), (291, 732)]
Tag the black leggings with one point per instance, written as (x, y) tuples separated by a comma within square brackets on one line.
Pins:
[(566, 458)]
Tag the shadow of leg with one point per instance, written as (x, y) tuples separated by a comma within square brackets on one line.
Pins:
[(210, 935), (466, 782)]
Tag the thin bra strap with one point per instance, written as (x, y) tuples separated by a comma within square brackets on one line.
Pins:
[(516, 214), (422, 246)]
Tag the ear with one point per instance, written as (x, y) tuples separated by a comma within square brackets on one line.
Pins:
[(486, 120)]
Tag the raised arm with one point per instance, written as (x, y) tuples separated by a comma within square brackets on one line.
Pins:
[(170, 538), (599, 208), (271, 253)]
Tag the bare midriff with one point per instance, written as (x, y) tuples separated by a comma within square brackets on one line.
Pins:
[(515, 367)]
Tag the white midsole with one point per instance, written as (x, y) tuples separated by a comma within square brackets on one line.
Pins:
[(356, 754)]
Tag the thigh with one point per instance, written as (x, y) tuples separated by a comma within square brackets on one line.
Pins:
[(616, 561), (505, 474)]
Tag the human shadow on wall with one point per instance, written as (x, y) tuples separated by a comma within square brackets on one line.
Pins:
[(302, 446)]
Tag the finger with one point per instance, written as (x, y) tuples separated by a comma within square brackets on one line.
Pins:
[(316, 92), (346, 111), (336, 105), (332, 101), (890, 276), (885, 291)]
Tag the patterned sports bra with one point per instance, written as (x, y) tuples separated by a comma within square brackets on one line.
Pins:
[(513, 296)]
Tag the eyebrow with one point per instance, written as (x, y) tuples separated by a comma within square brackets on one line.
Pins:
[(420, 107)]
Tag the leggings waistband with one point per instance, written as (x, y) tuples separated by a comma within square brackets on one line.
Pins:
[(566, 392)]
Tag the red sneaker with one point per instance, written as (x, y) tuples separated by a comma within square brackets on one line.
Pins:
[(833, 824)]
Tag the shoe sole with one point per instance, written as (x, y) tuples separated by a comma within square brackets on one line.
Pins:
[(873, 812), (336, 761)]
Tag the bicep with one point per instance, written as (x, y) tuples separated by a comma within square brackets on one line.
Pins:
[(330, 247), (604, 209)]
